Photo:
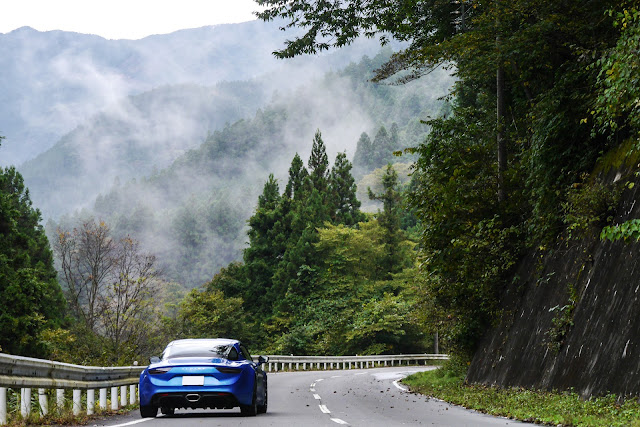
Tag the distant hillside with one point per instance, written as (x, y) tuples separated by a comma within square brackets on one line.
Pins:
[(192, 214), (53, 82)]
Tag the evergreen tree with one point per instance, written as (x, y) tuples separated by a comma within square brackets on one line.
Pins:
[(342, 188), (382, 148), (265, 247), (319, 164), (362, 160), (32, 300), (297, 176), (389, 218)]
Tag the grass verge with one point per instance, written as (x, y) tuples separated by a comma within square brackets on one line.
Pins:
[(551, 408)]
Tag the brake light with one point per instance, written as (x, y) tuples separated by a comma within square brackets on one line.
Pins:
[(229, 370), (158, 371)]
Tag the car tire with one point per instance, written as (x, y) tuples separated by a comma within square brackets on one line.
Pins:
[(252, 409), (263, 408), (168, 411), (148, 411)]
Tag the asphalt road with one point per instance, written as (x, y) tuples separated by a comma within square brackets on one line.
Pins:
[(368, 397)]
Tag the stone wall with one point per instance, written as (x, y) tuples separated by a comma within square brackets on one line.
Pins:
[(592, 290)]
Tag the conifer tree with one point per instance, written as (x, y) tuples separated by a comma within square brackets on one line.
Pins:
[(342, 187), (297, 175), (382, 148), (319, 164), (32, 300), (265, 247), (364, 155), (389, 218)]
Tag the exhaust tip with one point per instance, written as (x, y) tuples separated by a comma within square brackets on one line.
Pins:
[(192, 397)]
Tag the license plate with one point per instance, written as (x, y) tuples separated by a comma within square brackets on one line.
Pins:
[(193, 380)]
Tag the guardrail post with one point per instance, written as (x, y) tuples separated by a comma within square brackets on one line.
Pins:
[(60, 400), (123, 396), (3, 405), (91, 401), (132, 394), (304, 366), (42, 400), (114, 398), (103, 399), (77, 402), (25, 402)]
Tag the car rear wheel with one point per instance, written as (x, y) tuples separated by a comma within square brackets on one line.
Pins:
[(252, 409), (263, 408), (148, 411)]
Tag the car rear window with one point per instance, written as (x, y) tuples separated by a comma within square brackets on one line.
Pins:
[(197, 350)]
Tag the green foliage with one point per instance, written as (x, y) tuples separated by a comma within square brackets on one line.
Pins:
[(561, 322), (207, 313), (540, 407), (317, 280), (32, 301), (617, 106), (589, 206), (628, 230)]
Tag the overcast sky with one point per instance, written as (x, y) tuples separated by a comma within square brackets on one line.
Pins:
[(122, 19)]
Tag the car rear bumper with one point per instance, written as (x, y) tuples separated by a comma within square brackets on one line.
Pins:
[(203, 400)]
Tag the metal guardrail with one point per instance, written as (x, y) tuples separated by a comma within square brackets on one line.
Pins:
[(296, 363), (25, 373)]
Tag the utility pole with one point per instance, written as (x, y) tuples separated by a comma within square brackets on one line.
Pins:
[(500, 112)]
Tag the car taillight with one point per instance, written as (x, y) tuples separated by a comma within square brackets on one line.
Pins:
[(158, 371), (229, 370)]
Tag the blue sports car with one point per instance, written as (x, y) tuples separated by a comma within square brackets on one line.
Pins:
[(203, 373)]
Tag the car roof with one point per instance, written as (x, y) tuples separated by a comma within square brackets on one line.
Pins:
[(204, 341)]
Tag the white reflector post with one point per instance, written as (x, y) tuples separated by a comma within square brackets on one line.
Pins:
[(77, 402), (91, 401), (3, 405), (25, 402), (114, 398), (42, 400)]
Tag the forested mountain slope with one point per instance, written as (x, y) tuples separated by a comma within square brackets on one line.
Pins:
[(55, 81), (192, 214)]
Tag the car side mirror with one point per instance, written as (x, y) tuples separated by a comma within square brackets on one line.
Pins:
[(154, 359), (262, 359)]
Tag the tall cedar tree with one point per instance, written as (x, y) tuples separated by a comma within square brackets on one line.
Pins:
[(342, 188), (319, 164), (32, 300), (297, 175), (263, 249), (389, 218), (362, 159)]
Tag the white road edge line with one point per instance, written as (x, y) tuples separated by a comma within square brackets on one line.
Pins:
[(317, 397), (339, 421), (324, 409), (133, 422), (399, 387)]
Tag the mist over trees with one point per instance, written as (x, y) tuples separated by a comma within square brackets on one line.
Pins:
[(319, 276), (192, 214)]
